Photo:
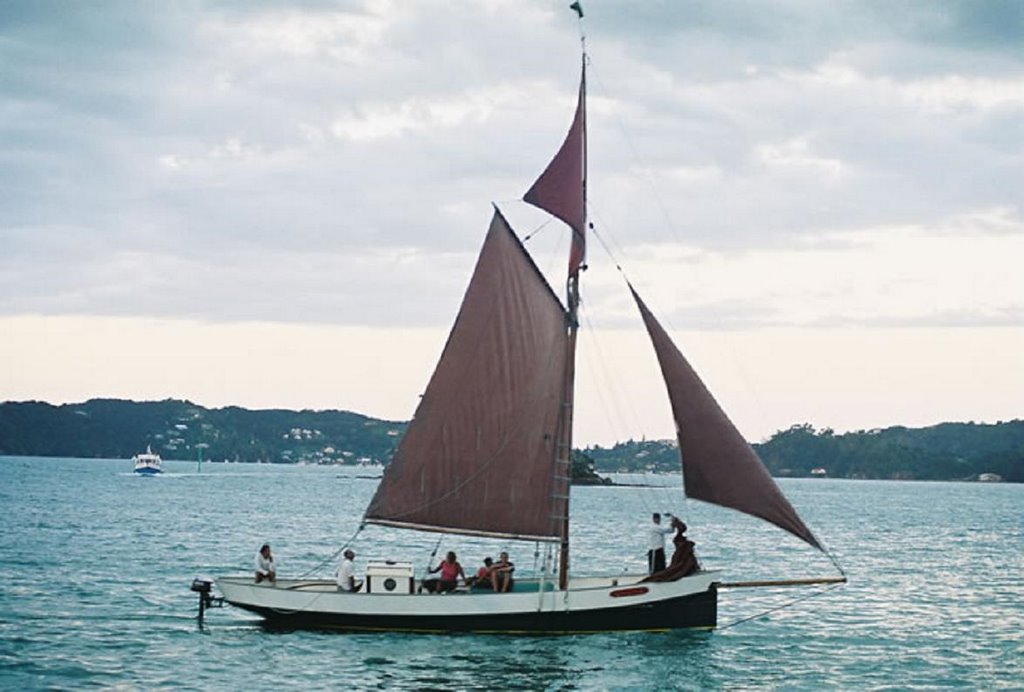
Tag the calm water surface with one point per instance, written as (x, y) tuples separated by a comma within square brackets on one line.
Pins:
[(95, 565)]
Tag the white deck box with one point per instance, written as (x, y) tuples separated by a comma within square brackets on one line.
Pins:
[(386, 576)]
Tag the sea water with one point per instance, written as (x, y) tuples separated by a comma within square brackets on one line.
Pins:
[(96, 563)]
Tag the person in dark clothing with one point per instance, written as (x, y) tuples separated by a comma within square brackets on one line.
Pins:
[(684, 559)]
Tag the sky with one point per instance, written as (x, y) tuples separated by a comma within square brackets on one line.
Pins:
[(279, 204)]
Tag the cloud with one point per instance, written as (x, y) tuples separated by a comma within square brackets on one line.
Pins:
[(326, 161), (959, 272)]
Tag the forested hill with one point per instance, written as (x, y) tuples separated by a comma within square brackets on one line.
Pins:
[(949, 451), (113, 428), (117, 429)]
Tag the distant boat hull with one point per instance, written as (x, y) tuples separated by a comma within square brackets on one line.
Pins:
[(596, 605), (147, 464)]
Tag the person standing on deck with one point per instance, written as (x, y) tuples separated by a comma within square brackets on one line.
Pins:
[(656, 543), (684, 559)]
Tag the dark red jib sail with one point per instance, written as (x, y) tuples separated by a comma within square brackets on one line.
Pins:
[(479, 455), (719, 466), (561, 188)]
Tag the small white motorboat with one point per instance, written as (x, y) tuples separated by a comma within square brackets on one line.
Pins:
[(147, 464)]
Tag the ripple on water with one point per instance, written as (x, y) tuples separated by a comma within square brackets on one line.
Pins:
[(95, 574)]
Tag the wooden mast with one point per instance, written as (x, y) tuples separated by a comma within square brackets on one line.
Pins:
[(564, 461), (561, 190)]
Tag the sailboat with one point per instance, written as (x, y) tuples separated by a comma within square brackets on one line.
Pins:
[(487, 453)]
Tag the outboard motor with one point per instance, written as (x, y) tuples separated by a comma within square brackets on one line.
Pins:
[(204, 587)]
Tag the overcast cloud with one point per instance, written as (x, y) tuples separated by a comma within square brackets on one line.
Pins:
[(752, 164)]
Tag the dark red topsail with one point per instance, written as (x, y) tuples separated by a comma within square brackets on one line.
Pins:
[(561, 188)]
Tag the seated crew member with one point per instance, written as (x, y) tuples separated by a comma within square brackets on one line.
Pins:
[(450, 570), (482, 579), (501, 574), (264, 564), (346, 574)]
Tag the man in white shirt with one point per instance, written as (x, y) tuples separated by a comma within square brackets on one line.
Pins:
[(265, 565), (656, 544), (346, 574)]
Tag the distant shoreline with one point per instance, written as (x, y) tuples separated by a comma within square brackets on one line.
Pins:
[(176, 429), (610, 483)]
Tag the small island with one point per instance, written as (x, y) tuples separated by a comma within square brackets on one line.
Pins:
[(583, 472)]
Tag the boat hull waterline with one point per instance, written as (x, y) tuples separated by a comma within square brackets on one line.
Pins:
[(597, 605)]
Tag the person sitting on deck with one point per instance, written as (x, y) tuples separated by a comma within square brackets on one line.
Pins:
[(346, 574), (501, 574), (450, 570), (482, 579), (684, 560), (264, 563)]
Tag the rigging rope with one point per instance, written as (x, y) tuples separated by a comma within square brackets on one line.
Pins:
[(648, 179), (809, 596), (835, 560), (433, 553), (616, 405), (333, 557)]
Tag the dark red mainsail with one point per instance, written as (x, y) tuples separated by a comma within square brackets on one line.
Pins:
[(719, 466), (561, 188), (479, 455)]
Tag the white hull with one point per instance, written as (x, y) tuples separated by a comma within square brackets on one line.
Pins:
[(590, 605), (147, 464)]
